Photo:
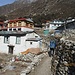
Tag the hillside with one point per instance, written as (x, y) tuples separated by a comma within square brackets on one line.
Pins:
[(53, 8)]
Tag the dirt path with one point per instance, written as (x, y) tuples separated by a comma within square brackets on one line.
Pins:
[(43, 68)]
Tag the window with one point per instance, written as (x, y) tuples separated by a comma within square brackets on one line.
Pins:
[(14, 29), (19, 23), (19, 29), (36, 36), (18, 40), (10, 25), (30, 43), (6, 39), (14, 23), (10, 29)]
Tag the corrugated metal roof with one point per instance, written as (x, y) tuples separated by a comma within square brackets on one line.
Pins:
[(30, 20), (33, 39), (14, 33)]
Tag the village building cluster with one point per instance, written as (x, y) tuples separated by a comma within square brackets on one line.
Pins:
[(21, 45), (18, 35)]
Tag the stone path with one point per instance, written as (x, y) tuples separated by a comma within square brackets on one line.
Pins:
[(43, 68)]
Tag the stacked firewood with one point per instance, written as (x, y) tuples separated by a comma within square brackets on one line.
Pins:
[(63, 61)]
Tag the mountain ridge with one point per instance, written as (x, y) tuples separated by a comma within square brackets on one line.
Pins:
[(55, 8)]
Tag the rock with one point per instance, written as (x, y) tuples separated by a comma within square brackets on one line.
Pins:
[(9, 67), (22, 73)]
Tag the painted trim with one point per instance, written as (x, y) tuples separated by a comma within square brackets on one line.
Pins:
[(16, 27)]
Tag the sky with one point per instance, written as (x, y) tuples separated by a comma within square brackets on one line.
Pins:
[(4, 2)]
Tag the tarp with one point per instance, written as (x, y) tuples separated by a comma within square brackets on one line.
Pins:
[(32, 50)]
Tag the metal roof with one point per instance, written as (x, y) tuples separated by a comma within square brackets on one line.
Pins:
[(33, 39), (14, 33)]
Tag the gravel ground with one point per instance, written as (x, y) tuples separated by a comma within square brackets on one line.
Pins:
[(43, 68)]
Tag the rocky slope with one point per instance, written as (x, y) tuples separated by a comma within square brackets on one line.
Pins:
[(55, 8)]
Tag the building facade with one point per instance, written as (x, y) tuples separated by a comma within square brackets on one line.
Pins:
[(18, 36), (21, 24)]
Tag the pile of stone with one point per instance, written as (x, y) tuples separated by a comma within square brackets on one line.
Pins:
[(69, 33), (63, 61), (6, 62), (21, 64), (34, 61)]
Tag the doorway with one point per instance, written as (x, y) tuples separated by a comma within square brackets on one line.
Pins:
[(11, 48)]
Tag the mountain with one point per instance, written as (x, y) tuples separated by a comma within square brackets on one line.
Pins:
[(52, 8)]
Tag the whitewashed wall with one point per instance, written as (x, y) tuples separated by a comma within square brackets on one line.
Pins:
[(3, 46), (33, 45), (26, 29), (52, 26), (24, 45), (32, 35)]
